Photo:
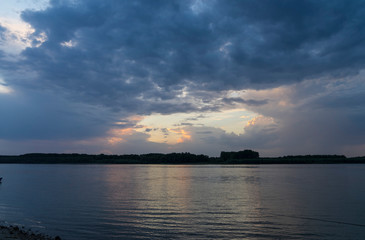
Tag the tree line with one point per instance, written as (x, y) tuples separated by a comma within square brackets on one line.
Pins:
[(240, 157)]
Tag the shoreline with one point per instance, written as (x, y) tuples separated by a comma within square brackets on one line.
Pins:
[(20, 233), (175, 158)]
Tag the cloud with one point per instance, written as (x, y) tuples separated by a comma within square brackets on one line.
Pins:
[(318, 116), (213, 140), (2, 30), (4, 89), (249, 102), (138, 56), (43, 116), (14, 36), (90, 64)]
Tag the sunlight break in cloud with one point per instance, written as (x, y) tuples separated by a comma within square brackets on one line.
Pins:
[(260, 120), (184, 135), (18, 34), (4, 89), (118, 134), (171, 129), (16, 37)]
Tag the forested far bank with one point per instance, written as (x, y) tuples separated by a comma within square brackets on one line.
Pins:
[(240, 157)]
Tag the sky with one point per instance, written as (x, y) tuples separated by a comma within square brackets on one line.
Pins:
[(279, 77)]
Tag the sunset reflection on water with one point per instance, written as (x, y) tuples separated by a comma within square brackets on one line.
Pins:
[(80, 202)]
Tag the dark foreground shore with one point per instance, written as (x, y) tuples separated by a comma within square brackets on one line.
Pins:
[(14, 232)]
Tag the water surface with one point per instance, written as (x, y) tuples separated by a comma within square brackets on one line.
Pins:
[(186, 201)]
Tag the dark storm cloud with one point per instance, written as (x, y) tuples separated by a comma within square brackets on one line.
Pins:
[(2, 30), (344, 102), (41, 116), (131, 55), (183, 124), (249, 102), (204, 132), (2, 37), (319, 117), (195, 118), (186, 124), (321, 132)]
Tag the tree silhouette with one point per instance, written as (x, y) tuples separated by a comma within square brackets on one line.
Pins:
[(245, 154)]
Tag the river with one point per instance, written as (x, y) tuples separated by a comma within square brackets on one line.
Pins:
[(96, 202)]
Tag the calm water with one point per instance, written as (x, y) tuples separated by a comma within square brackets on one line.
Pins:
[(179, 202)]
